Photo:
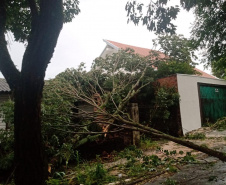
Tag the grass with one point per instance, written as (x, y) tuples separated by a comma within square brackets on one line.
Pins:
[(131, 151), (196, 136), (147, 143), (87, 174), (135, 165)]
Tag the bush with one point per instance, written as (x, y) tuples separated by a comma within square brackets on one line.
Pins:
[(7, 113), (220, 124), (94, 174), (6, 153), (165, 97), (164, 113), (147, 143)]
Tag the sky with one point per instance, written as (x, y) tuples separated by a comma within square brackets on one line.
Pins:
[(82, 39)]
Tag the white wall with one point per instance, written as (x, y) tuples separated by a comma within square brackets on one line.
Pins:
[(108, 50), (189, 99)]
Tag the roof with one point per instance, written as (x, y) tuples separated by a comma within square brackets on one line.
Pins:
[(4, 87), (146, 51), (137, 50), (204, 74)]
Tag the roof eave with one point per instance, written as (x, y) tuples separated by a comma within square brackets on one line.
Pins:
[(110, 44)]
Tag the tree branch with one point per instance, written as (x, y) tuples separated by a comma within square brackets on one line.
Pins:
[(142, 128), (43, 39), (108, 117), (89, 133), (132, 92), (7, 66), (34, 9)]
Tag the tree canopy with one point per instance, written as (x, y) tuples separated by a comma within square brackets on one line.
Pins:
[(180, 55), (208, 31), (219, 68), (20, 14), (177, 48)]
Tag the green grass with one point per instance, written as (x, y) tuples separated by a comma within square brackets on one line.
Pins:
[(196, 136), (147, 143)]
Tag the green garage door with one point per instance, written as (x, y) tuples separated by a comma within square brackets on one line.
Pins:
[(213, 102)]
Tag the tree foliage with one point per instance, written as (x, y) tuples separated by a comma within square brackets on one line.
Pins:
[(174, 67), (116, 78), (120, 77), (158, 17), (208, 31), (219, 68), (19, 16), (179, 55), (177, 48)]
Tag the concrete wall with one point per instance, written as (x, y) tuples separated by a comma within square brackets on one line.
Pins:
[(189, 99)]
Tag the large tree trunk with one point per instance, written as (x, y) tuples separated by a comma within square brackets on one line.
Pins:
[(30, 164), (27, 85)]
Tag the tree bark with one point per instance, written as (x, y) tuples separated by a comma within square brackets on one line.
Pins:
[(27, 85), (30, 164)]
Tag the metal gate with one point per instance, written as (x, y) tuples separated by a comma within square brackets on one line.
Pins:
[(212, 102)]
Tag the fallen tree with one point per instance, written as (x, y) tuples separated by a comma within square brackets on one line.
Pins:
[(117, 80)]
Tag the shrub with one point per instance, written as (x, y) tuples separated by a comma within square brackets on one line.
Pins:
[(220, 124), (94, 174), (147, 143), (6, 152)]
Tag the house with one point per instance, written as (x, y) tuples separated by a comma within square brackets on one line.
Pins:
[(114, 47), (5, 94), (202, 97)]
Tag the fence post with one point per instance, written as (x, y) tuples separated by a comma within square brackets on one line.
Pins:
[(134, 112)]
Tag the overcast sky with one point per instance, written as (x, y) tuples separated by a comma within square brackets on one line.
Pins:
[(82, 39)]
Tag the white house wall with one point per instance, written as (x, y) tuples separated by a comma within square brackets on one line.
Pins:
[(189, 99), (108, 50)]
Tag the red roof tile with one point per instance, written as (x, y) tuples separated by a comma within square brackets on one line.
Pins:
[(145, 52), (137, 50), (204, 74)]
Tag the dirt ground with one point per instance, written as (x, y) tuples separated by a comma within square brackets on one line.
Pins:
[(208, 170)]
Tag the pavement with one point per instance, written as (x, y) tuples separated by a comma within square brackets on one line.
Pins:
[(209, 170)]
